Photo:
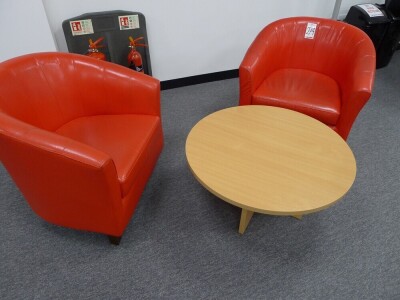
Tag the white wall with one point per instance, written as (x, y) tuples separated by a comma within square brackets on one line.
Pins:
[(186, 37), (192, 37), (23, 28)]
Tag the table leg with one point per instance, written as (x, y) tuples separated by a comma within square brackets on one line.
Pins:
[(297, 216), (245, 219)]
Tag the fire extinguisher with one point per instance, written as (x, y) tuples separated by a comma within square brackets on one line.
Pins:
[(134, 57), (93, 50)]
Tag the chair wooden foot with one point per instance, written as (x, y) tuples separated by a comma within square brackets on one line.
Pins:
[(115, 240)]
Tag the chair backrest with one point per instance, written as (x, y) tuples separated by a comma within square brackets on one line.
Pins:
[(47, 90), (316, 44)]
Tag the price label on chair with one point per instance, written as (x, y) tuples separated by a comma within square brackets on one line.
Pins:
[(310, 30)]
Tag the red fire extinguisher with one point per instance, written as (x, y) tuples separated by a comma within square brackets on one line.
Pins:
[(93, 50), (134, 57)]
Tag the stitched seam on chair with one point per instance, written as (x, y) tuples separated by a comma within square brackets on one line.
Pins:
[(318, 109)]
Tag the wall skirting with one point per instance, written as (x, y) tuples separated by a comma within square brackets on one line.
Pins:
[(174, 83)]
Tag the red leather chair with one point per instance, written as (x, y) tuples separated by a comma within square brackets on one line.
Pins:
[(319, 67), (80, 138)]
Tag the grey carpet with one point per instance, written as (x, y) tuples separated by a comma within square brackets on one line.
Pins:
[(182, 242)]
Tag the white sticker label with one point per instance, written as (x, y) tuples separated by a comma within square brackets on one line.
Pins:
[(81, 27), (371, 10), (310, 31), (128, 22)]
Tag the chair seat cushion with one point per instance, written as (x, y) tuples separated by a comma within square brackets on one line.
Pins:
[(308, 92), (127, 139)]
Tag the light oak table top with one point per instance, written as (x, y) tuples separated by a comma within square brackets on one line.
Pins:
[(270, 160)]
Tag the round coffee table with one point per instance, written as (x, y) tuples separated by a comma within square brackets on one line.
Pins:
[(270, 160)]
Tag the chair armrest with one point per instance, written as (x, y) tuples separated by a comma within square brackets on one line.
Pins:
[(356, 88), (51, 142), (260, 60), (65, 182), (128, 91)]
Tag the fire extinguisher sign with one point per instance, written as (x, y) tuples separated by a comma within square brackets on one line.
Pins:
[(128, 22), (81, 27)]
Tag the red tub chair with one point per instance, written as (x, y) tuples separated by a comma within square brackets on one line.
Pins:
[(80, 138), (319, 67)]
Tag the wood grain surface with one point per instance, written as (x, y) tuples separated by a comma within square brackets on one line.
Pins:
[(270, 160)]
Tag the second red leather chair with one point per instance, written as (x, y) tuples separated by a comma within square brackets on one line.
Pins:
[(319, 67)]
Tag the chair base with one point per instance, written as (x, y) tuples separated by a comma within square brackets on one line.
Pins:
[(115, 240)]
